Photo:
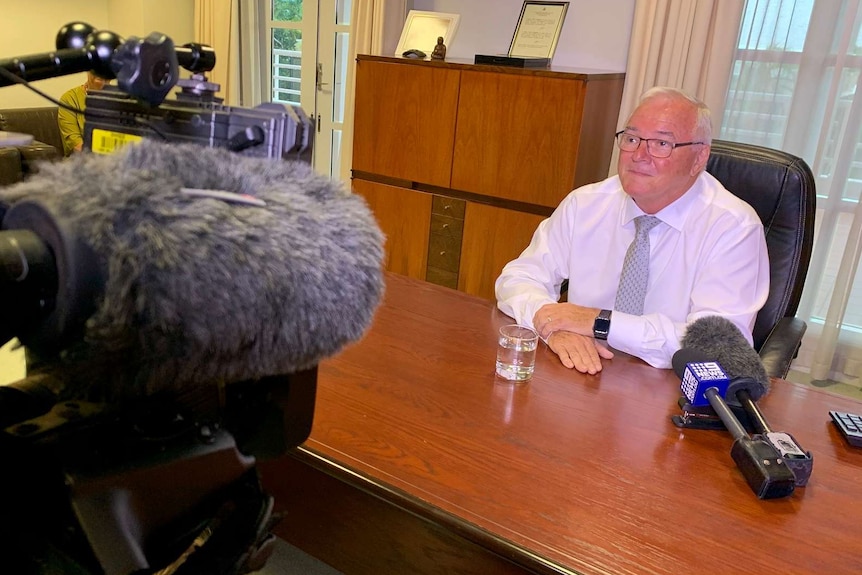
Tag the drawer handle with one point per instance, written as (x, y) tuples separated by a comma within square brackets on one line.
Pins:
[(447, 207), (443, 253), (445, 226)]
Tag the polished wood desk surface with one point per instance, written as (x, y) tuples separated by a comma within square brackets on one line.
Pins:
[(571, 473)]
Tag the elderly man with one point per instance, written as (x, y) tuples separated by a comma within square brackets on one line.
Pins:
[(646, 252)]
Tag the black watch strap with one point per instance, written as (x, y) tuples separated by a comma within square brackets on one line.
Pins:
[(602, 324)]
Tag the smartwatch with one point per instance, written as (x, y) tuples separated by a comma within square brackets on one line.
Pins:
[(602, 325)]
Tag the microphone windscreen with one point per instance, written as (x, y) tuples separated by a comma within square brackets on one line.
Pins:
[(201, 290), (685, 356), (719, 339)]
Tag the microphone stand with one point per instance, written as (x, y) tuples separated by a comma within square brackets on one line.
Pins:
[(704, 417), (801, 462), (760, 463)]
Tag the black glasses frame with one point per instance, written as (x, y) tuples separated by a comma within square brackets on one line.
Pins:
[(673, 145)]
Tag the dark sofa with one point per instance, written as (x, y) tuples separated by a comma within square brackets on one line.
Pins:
[(17, 162)]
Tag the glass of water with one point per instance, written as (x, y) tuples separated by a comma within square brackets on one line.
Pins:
[(516, 352)]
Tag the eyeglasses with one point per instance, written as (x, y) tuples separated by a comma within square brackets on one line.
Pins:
[(656, 147)]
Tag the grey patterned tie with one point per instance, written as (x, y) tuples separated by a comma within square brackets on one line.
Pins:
[(633, 279)]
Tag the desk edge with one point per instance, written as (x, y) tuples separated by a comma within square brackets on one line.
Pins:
[(504, 548)]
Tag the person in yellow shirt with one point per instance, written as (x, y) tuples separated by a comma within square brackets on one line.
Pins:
[(71, 123)]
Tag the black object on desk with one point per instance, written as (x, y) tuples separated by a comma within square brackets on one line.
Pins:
[(514, 61), (765, 471), (850, 426)]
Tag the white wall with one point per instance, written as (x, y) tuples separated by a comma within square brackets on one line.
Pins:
[(595, 35), (30, 27)]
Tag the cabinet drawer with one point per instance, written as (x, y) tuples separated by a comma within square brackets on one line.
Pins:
[(442, 278), (448, 207), (444, 252), (446, 226)]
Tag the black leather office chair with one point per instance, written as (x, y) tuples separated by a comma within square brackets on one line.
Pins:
[(780, 187)]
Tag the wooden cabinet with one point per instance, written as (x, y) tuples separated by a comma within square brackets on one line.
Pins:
[(404, 122), (492, 237), (461, 162), (403, 217)]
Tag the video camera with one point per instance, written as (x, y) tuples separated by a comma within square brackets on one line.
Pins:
[(146, 70), (95, 488)]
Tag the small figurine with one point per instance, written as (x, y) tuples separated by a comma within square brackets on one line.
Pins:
[(439, 52)]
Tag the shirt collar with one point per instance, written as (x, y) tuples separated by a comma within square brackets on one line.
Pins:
[(673, 215)]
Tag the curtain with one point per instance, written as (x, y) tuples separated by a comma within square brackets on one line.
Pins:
[(247, 49), (795, 87), (366, 37), (685, 44), (217, 25)]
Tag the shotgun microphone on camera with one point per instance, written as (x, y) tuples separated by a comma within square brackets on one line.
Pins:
[(166, 267), (146, 283)]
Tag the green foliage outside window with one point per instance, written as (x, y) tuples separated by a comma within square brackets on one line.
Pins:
[(286, 11)]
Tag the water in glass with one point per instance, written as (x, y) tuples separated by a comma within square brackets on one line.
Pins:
[(516, 353)]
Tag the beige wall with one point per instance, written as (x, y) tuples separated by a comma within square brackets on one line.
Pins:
[(174, 18), (36, 23)]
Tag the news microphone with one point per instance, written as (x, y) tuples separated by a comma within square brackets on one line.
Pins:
[(762, 466), (717, 338), (697, 413), (178, 266)]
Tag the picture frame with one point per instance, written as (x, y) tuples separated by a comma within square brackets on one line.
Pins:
[(538, 29), (421, 30)]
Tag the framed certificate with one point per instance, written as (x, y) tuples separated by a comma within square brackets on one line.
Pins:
[(421, 30), (538, 29)]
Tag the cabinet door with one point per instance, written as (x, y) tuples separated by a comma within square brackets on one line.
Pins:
[(403, 216), (518, 136), (404, 121), (492, 238)]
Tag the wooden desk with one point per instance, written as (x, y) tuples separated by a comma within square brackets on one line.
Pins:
[(420, 461)]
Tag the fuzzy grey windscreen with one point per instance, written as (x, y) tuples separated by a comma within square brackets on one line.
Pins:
[(720, 340), (199, 290)]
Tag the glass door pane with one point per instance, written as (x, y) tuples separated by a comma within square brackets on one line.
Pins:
[(308, 57), (292, 34), (286, 65)]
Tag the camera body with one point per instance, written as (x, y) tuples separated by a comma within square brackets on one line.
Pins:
[(146, 70), (270, 130)]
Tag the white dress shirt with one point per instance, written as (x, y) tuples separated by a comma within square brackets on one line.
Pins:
[(707, 257)]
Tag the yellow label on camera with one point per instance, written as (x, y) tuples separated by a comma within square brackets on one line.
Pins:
[(107, 142)]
